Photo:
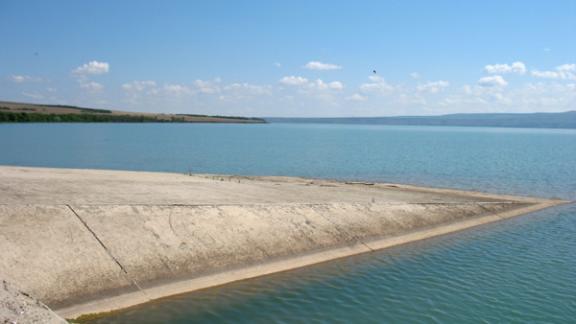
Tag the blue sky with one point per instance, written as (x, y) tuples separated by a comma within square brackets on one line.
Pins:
[(291, 58)]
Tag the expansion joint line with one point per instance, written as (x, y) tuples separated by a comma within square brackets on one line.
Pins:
[(343, 232), (366, 245), (105, 248)]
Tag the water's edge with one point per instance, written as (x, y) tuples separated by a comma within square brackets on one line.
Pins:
[(136, 254), (180, 287)]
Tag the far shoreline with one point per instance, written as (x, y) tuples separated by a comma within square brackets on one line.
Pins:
[(16, 112)]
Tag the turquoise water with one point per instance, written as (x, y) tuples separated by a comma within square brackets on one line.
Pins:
[(521, 270)]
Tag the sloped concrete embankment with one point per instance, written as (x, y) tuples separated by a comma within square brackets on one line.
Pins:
[(80, 259), (17, 306)]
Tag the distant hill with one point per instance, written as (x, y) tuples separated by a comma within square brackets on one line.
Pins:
[(17, 112), (528, 120)]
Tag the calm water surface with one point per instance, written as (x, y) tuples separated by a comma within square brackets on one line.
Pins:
[(521, 270)]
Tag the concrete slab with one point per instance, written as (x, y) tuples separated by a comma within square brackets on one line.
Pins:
[(48, 253), (85, 241)]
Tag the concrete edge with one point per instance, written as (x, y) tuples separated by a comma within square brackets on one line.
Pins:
[(130, 299)]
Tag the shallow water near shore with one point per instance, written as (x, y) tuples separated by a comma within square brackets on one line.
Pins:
[(520, 270)]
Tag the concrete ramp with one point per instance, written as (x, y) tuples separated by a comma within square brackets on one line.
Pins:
[(92, 241)]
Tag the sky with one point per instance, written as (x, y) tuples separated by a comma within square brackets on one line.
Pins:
[(291, 58)]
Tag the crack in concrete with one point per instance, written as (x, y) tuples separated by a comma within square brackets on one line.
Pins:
[(125, 273), (343, 232)]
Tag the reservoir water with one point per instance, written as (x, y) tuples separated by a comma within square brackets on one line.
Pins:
[(520, 270)]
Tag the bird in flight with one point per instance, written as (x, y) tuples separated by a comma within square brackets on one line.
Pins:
[(374, 71)]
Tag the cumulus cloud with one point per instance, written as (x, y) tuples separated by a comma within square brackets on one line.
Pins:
[(92, 68), (561, 72), (433, 87), (247, 89), (19, 78), (516, 67), (356, 97), (92, 86), (148, 88), (207, 87), (237, 91), (377, 86), (318, 84), (176, 89), (293, 80), (316, 65), (139, 86), (201, 89), (24, 78), (495, 81), (321, 85), (540, 96)]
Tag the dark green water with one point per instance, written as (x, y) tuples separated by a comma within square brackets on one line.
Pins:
[(522, 270)]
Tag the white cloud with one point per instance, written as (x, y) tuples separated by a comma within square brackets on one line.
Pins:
[(516, 67), (176, 89), (316, 65), (356, 97), (138, 91), (92, 86), (530, 97), (24, 78), (139, 86), (243, 91), (278, 64), (318, 84), (92, 67), (208, 87), (336, 85), (561, 72), (247, 89), (377, 86), (433, 87), (19, 78), (546, 74), (293, 94), (375, 78), (293, 80), (492, 81)]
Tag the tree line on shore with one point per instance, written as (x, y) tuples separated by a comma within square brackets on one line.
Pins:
[(23, 117), (30, 117)]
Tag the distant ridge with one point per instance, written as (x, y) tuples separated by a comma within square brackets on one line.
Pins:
[(528, 120)]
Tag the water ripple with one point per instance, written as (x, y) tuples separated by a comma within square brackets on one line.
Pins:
[(506, 272)]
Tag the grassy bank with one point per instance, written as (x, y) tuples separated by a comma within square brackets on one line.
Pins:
[(13, 112)]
